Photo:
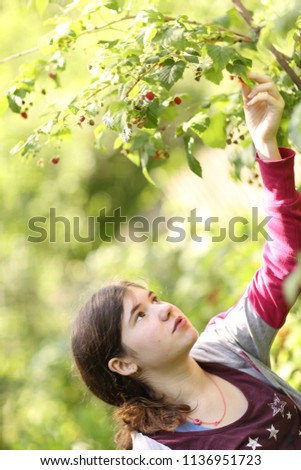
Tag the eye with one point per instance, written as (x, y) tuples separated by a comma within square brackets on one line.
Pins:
[(139, 316)]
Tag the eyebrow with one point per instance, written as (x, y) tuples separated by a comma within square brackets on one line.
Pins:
[(133, 310)]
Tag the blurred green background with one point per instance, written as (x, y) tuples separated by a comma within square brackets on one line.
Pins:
[(43, 403)]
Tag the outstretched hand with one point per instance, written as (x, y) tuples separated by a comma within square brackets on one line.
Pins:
[(263, 107)]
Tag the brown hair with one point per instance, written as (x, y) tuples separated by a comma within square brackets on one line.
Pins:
[(96, 338)]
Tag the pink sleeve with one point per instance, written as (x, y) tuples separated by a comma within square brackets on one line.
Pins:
[(283, 204)]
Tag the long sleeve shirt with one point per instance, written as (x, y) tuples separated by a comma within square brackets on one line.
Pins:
[(242, 336)]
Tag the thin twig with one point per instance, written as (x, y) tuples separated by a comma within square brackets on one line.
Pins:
[(281, 59), (101, 27), (19, 54), (139, 78), (246, 15)]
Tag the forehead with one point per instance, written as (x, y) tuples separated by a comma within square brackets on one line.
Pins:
[(133, 296)]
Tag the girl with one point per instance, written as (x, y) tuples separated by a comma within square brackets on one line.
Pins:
[(175, 389)]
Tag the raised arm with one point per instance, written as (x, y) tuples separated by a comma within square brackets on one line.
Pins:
[(252, 323), (263, 111)]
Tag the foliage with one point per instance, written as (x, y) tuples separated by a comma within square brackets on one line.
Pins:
[(136, 59), (43, 404)]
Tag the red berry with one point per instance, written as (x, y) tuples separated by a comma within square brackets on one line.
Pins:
[(82, 118), (232, 77), (55, 160), (24, 115), (149, 95), (177, 100), (157, 155), (52, 75)]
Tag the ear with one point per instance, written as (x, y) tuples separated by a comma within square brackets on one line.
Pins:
[(122, 366)]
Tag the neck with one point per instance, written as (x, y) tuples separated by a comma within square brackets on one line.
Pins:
[(182, 383)]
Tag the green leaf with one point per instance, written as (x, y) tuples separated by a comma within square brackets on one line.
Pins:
[(174, 37), (14, 102), (46, 129), (152, 115), (241, 67), (28, 148), (16, 149), (215, 135), (108, 43), (171, 72), (198, 124), (116, 5), (193, 163), (220, 55), (149, 34), (144, 161), (134, 158), (154, 59), (191, 58), (215, 75), (232, 19), (92, 109), (74, 107), (63, 133)]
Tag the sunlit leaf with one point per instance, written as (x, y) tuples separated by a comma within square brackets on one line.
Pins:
[(215, 135), (171, 72), (198, 124), (193, 163)]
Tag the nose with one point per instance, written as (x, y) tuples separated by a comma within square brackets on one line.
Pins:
[(164, 311)]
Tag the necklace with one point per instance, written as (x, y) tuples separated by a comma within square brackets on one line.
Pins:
[(199, 422)]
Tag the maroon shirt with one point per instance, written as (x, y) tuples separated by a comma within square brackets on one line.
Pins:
[(272, 420)]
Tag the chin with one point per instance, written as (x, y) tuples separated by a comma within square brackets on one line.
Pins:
[(194, 337)]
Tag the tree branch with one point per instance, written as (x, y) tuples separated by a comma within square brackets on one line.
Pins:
[(277, 54), (246, 15), (19, 54), (241, 37), (281, 60)]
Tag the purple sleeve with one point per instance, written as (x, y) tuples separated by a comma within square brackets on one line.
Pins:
[(283, 204)]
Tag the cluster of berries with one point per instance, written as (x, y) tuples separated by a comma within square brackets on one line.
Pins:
[(150, 96)]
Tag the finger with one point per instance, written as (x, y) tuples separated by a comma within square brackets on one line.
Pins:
[(265, 97), (268, 86), (245, 90), (259, 77)]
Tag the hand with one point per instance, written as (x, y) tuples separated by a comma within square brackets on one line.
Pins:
[(263, 107)]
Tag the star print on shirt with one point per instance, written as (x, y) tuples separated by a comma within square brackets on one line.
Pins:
[(253, 443), (273, 432), (289, 415), (277, 405)]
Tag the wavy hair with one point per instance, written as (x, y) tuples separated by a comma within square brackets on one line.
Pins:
[(96, 338)]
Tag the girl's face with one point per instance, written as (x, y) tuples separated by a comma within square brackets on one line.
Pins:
[(156, 332)]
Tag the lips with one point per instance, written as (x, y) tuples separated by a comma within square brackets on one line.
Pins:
[(178, 320)]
